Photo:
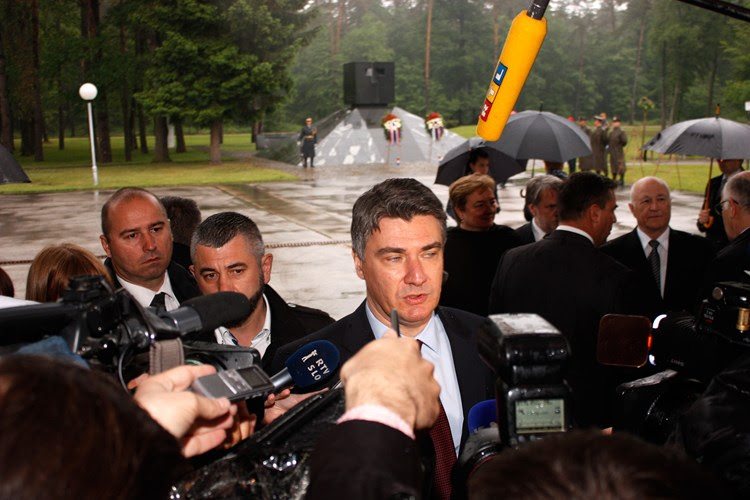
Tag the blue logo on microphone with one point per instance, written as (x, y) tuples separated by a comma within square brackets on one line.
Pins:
[(500, 73)]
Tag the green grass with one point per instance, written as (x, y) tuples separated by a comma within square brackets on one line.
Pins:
[(70, 169)]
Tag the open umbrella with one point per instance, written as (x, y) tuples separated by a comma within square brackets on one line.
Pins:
[(455, 163), (544, 136), (713, 137)]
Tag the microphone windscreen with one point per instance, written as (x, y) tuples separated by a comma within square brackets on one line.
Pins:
[(482, 414), (313, 362), (220, 309)]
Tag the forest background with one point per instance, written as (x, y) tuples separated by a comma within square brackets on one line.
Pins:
[(263, 65)]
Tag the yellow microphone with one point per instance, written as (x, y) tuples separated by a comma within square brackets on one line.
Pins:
[(521, 47)]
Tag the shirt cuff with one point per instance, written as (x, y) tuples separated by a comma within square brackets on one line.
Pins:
[(379, 414)]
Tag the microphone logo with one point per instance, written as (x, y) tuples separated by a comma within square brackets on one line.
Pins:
[(317, 365)]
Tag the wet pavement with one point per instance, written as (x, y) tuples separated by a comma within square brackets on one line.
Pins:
[(305, 223)]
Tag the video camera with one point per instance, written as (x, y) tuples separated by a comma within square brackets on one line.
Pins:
[(113, 332), (690, 351)]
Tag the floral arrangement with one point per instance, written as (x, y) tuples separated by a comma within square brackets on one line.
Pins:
[(434, 125), (392, 127)]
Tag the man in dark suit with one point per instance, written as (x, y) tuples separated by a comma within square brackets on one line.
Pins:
[(541, 202), (710, 221), (398, 235), (229, 256), (671, 278), (565, 279), (137, 239), (732, 263)]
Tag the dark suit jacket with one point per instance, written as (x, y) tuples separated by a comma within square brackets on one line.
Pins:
[(571, 284), (365, 460), (352, 332), (730, 264), (289, 322), (687, 259), (715, 233), (525, 234), (183, 283)]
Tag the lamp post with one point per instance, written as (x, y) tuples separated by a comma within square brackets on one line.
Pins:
[(88, 93)]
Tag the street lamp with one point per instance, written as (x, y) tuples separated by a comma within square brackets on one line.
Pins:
[(88, 93)]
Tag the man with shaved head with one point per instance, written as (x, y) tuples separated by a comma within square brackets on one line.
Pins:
[(671, 276), (137, 239)]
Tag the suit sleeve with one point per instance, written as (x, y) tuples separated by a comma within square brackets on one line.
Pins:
[(365, 460)]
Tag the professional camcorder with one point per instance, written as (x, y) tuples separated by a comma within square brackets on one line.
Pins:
[(690, 351), (113, 332)]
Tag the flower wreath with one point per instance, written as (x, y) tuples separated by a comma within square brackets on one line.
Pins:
[(392, 128), (434, 125)]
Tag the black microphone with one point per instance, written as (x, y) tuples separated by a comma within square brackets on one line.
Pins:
[(208, 312), (29, 323), (312, 363)]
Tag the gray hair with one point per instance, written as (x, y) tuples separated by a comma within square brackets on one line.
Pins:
[(218, 229), (738, 187), (394, 198), (537, 185)]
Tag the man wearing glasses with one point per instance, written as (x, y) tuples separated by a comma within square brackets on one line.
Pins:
[(708, 221), (733, 261)]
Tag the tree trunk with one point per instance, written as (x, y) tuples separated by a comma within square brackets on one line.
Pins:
[(125, 99), (142, 133), (104, 144), (215, 154), (637, 69), (179, 136), (37, 84), (712, 80), (427, 46), (60, 124), (6, 132), (161, 151), (663, 86)]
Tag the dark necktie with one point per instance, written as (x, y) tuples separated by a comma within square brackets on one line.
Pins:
[(158, 301), (445, 453), (653, 260)]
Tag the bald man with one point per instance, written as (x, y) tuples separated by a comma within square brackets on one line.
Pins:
[(681, 258)]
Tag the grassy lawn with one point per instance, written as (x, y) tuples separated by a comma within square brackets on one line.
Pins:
[(70, 169)]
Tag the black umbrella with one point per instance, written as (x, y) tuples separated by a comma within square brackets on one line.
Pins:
[(456, 163), (10, 170), (713, 137), (544, 136)]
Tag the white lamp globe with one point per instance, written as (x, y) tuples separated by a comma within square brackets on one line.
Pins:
[(87, 91)]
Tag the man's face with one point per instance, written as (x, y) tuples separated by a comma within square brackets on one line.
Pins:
[(582, 123), (232, 268), (481, 166), (651, 206), (603, 220), (729, 212), (403, 269), (545, 213), (139, 241), (729, 167)]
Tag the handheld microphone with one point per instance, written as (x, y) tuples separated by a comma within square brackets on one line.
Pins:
[(208, 312), (527, 32), (482, 415), (312, 363)]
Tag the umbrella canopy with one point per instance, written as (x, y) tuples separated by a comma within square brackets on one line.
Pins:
[(10, 170), (713, 137), (544, 136), (456, 162)]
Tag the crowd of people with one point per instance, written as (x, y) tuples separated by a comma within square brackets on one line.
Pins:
[(402, 397)]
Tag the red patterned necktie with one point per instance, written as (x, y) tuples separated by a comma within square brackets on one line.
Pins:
[(445, 454)]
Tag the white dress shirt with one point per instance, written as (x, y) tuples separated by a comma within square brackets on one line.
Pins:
[(144, 296), (261, 341), (663, 250)]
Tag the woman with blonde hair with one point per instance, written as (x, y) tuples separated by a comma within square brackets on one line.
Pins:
[(53, 267)]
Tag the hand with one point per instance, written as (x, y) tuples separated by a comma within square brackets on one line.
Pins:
[(242, 428), (277, 405), (704, 216), (199, 423), (391, 372)]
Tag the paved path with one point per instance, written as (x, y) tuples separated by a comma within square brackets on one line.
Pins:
[(305, 224)]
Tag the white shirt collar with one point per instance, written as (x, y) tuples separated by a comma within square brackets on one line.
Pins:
[(571, 229), (538, 232), (144, 296), (663, 240)]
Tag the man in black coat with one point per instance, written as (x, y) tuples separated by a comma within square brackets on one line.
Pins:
[(565, 279), (137, 238), (398, 235), (709, 220), (732, 263), (541, 202), (229, 256), (681, 258)]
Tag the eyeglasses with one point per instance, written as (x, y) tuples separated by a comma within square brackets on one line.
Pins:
[(719, 208)]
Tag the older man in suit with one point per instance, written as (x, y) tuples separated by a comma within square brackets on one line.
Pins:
[(565, 279), (398, 235), (541, 202), (670, 277)]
